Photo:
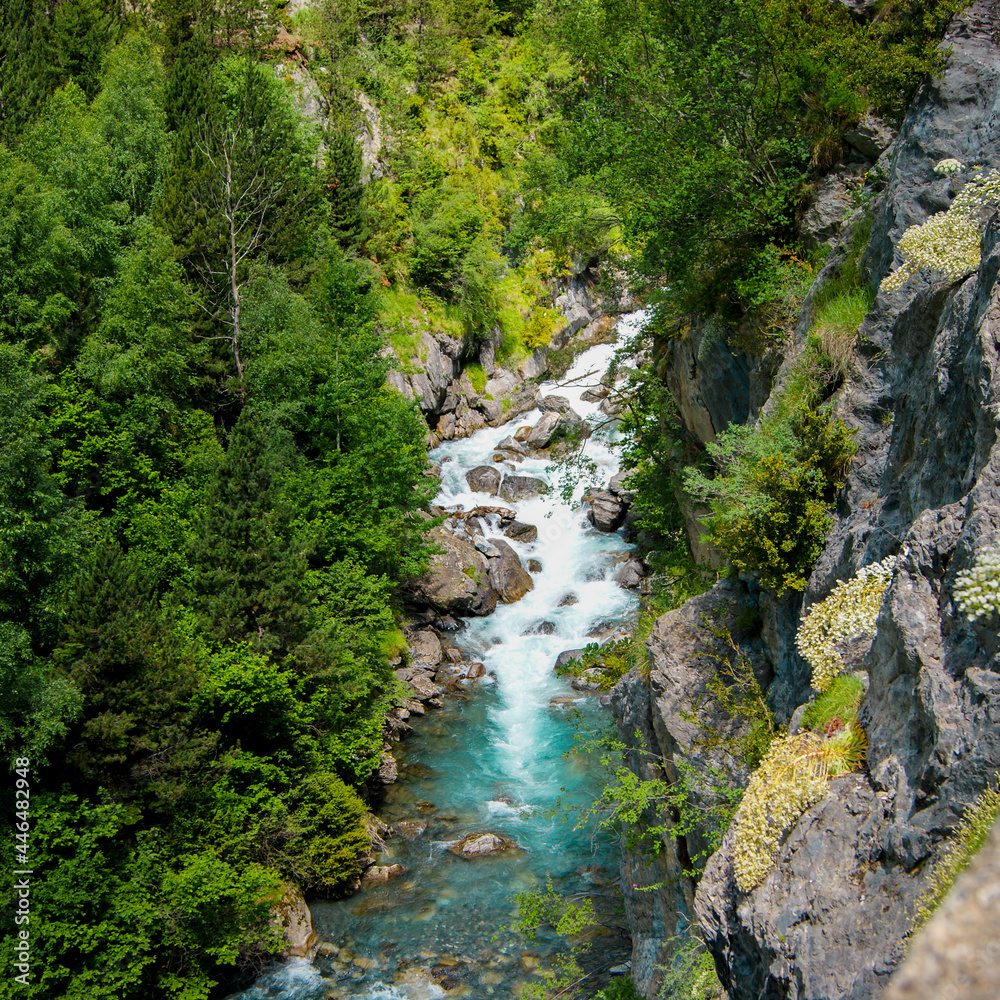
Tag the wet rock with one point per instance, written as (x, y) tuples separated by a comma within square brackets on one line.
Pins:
[(591, 679), (457, 581), (534, 566), (475, 671), (522, 434), (565, 701), (483, 479), (542, 433), (411, 829), (540, 628), (631, 574), (607, 512), (566, 656), (594, 395), (569, 600), (424, 647), (510, 443), (521, 532), (453, 655), (507, 576), (381, 873), (477, 845), (488, 549), (388, 770), (516, 488), (554, 404)]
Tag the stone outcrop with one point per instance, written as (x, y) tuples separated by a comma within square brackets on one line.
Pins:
[(958, 953), (457, 581), (830, 918), (606, 511), (507, 576), (293, 918)]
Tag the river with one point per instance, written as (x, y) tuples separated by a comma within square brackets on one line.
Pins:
[(497, 759)]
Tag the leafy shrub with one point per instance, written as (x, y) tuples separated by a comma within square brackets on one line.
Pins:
[(691, 974), (771, 495), (849, 611), (967, 838), (791, 778)]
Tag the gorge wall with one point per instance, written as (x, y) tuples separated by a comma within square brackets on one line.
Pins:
[(830, 919)]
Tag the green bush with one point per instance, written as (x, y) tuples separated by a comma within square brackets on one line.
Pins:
[(836, 707), (770, 498)]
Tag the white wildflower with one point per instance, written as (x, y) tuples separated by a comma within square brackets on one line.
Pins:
[(848, 612), (977, 590), (947, 166), (948, 242)]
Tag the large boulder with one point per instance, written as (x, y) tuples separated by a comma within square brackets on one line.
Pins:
[(424, 647), (507, 576), (483, 479), (607, 512), (554, 404), (514, 488), (521, 532), (542, 433), (292, 917), (457, 580), (478, 845)]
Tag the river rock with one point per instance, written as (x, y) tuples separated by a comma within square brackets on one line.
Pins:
[(478, 845), (591, 679), (607, 512), (423, 687), (554, 404), (594, 395), (410, 829), (521, 532), (631, 574), (293, 918), (483, 479), (488, 549), (457, 581), (522, 434), (617, 483), (542, 433), (507, 576), (510, 443), (565, 657), (424, 647), (540, 628), (516, 488), (381, 873), (534, 566)]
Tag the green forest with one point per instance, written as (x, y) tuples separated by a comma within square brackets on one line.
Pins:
[(210, 497)]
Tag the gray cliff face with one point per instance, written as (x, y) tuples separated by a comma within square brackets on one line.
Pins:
[(830, 918)]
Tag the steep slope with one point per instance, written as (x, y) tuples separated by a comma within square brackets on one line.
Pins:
[(830, 918)]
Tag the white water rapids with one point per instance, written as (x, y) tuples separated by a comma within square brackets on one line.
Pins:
[(495, 761)]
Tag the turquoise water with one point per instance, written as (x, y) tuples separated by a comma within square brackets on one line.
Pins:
[(496, 758)]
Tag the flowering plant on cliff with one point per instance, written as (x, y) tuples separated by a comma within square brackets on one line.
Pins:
[(849, 611), (949, 242), (977, 590), (790, 779)]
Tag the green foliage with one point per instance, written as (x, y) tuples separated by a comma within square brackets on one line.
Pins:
[(835, 708), (691, 974), (966, 839), (477, 376), (773, 488), (621, 988)]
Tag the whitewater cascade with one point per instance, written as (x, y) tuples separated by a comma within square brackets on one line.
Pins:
[(494, 761)]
